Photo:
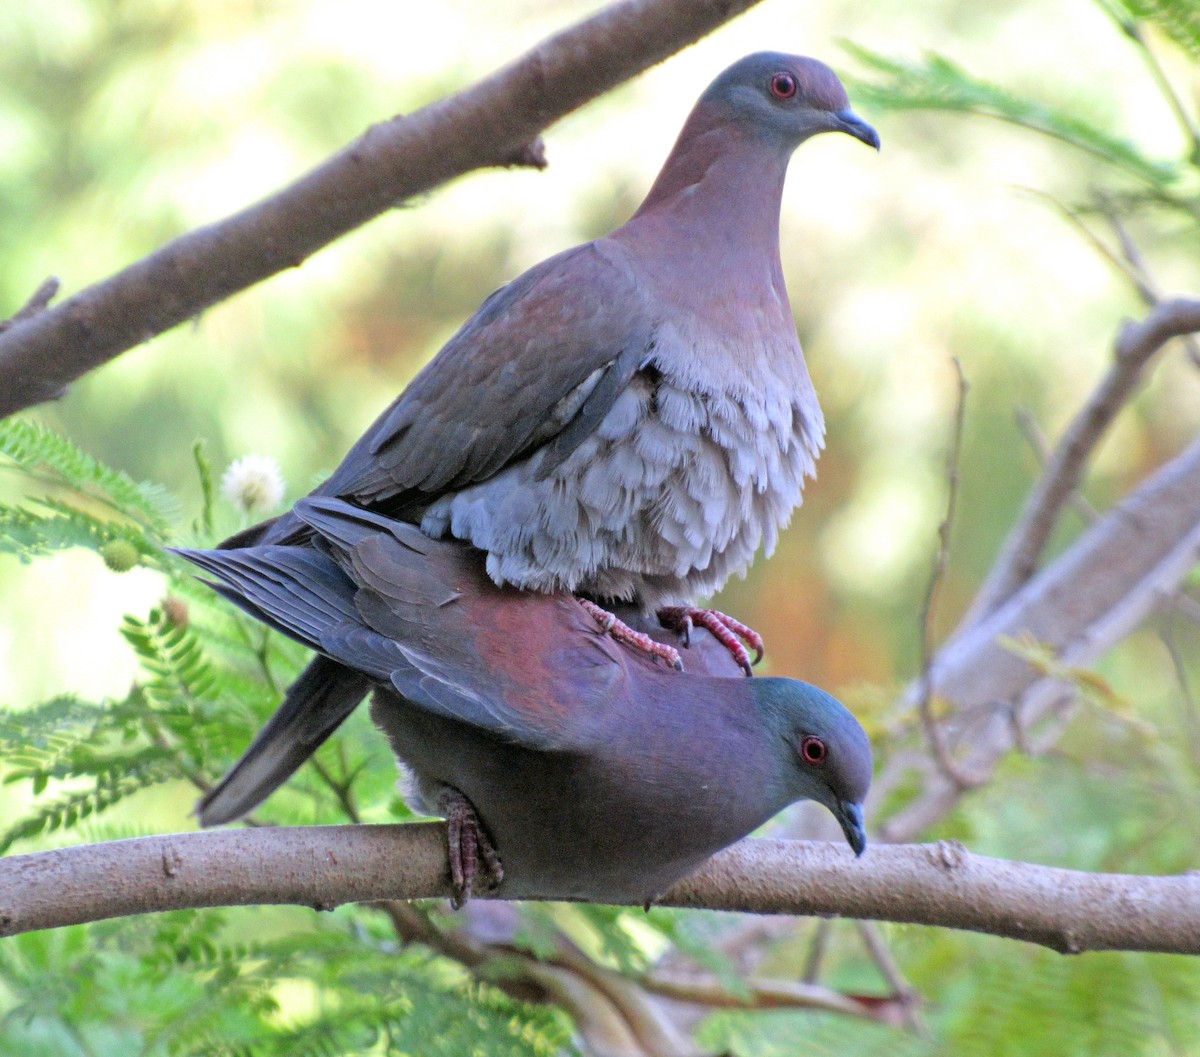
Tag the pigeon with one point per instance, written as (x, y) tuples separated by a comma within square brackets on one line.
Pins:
[(567, 764), (632, 419)]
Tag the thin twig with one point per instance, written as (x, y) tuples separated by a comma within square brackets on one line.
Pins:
[(1033, 434), (1136, 279), (41, 297), (763, 993), (1149, 288), (1182, 115), (933, 729), (341, 790), (1135, 345), (1191, 712), (1129, 261), (907, 996), (816, 952)]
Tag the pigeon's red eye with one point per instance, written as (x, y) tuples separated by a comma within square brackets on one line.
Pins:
[(813, 750), (783, 86)]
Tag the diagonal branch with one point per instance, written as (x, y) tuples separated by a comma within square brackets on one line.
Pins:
[(325, 866), (495, 122), (1136, 344), (1092, 597)]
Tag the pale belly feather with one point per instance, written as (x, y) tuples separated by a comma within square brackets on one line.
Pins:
[(673, 494)]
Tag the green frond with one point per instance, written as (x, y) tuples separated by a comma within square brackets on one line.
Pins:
[(1178, 19), (41, 452), (172, 656), (939, 84), (113, 783), (44, 525), (31, 726)]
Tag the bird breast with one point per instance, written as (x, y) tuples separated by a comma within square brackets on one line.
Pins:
[(686, 476)]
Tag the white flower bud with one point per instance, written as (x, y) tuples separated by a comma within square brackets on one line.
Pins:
[(253, 484)]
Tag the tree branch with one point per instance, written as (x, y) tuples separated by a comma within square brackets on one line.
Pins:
[(45, 293), (325, 866), (1088, 600), (493, 123), (1135, 345)]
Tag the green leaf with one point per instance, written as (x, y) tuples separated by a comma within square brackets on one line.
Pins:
[(43, 453), (939, 84), (1178, 19)]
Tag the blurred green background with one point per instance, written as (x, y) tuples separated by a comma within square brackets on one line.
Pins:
[(126, 122)]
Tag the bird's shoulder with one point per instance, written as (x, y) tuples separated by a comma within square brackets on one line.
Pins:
[(526, 366)]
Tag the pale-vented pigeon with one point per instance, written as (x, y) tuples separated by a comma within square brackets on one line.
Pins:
[(632, 419), (568, 766)]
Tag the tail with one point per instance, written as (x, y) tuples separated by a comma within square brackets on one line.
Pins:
[(284, 529), (302, 593), (315, 706), (296, 590)]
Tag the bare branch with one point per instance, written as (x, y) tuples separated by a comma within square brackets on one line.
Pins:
[(933, 730), (1041, 450), (766, 993), (1092, 597), (325, 866), (495, 122), (1135, 345), (38, 300)]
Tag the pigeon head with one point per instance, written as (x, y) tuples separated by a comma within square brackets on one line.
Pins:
[(825, 753), (788, 98)]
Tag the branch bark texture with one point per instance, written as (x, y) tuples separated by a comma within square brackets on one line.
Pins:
[(325, 866), (1136, 345), (493, 123), (1088, 600)]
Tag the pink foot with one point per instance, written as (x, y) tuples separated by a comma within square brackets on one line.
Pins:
[(728, 632), (469, 847), (622, 632)]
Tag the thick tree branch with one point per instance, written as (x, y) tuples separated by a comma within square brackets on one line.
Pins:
[(494, 122), (1135, 345), (325, 866)]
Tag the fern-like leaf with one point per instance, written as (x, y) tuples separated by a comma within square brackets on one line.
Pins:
[(939, 84), (42, 452), (112, 785), (1178, 19)]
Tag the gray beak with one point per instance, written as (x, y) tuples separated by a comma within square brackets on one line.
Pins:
[(851, 817), (853, 125)]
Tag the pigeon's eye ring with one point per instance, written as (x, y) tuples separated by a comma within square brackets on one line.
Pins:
[(813, 751), (783, 86)]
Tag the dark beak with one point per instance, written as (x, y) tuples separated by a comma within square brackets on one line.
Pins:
[(851, 817), (853, 125)]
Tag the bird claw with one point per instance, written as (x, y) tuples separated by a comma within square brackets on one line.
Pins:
[(469, 848), (622, 632), (730, 633)]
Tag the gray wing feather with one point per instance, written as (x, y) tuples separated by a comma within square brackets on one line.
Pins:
[(489, 397)]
